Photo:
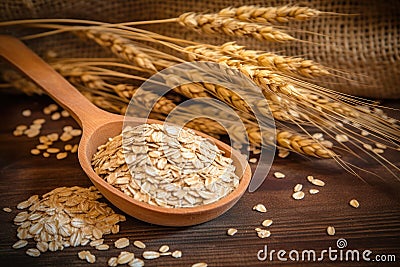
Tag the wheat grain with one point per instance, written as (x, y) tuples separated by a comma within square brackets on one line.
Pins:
[(213, 24), (279, 14)]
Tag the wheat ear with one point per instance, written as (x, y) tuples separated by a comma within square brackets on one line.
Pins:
[(303, 144), (121, 47), (214, 24), (284, 64), (280, 14)]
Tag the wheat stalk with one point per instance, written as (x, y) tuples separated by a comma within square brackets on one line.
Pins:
[(280, 14), (214, 24)]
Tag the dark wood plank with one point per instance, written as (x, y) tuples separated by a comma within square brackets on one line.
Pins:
[(298, 225)]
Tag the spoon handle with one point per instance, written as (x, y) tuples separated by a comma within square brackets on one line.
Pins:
[(19, 55)]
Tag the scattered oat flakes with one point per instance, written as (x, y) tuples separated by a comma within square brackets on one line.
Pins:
[(68, 147), (82, 254), (283, 153), (266, 223), (318, 136), (35, 151), (253, 160), (297, 188), (313, 191), (21, 127), (96, 242), (330, 230), (90, 258), (136, 262), (46, 155), (354, 203), (26, 113), (200, 264), (102, 247), (124, 257), (33, 252), (62, 222), (7, 209), (150, 255), (327, 143), (39, 121), (164, 249), (52, 150), (42, 246), (52, 137), (46, 111), (42, 147), (177, 254), (364, 133), (20, 244), (381, 146), (18, 132), (65, 137), (298, 195), (31, 132), (55, 116), (279, 175), (62, 155), (262, 233), (260, 208), (112, 262), (317, 182), (367, 146), (139, 244), (341, 138), (122, 242), (68, 128), (231, 231), (74, 149), (75, 132), (65, 113), (378, 150), (256, 151), (52, 107)]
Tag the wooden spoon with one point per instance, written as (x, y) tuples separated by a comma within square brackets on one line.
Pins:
[(99, 125)]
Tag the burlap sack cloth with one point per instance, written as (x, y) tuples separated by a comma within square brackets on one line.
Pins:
[(364, 46)]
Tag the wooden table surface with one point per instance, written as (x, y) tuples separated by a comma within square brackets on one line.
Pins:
[(297, 225)]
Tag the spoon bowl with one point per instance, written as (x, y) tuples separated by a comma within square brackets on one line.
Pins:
[(98, 126)]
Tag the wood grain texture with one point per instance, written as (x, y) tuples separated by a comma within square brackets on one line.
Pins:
[(297, 225)]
